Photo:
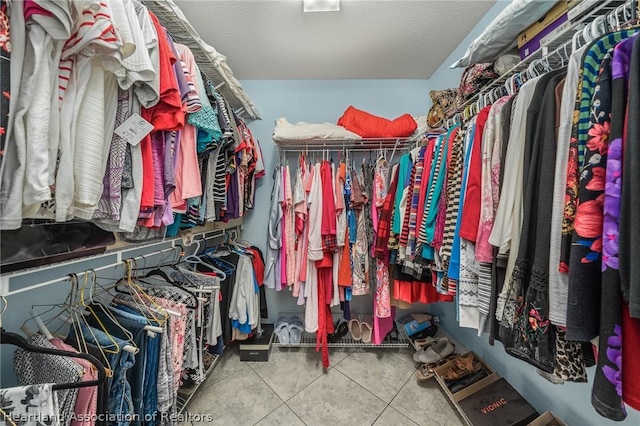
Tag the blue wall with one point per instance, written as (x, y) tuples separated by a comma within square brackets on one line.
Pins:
[(316, 102)]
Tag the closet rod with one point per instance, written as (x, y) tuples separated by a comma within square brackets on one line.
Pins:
[(5, 290), (319, 145), (568, 40), (67, 276)]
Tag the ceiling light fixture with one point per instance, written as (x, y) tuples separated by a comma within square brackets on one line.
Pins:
[(321, 5)]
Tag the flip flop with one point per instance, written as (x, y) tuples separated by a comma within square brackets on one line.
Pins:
[(296, 327), (354, 329), (366, 327), (281, 329)]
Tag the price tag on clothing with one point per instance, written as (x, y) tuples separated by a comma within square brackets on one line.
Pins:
[(134, 129)]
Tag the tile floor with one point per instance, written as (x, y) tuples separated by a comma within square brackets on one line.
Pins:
[(361, 387)]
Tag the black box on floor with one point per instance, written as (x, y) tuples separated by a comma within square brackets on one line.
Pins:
[(259, 348), (498, 404)]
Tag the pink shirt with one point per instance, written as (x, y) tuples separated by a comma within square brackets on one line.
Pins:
[(87, 401)]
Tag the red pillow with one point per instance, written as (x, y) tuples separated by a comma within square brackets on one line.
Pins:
[(371, 126)]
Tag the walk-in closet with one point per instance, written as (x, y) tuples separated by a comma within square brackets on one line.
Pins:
[(319, 212)]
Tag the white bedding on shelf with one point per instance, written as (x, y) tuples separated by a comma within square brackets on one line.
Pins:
[(285, 131)]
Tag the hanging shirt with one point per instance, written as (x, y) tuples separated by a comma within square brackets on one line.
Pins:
[(274, 234)]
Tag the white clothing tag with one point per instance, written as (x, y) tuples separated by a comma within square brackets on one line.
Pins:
[(134, 129)]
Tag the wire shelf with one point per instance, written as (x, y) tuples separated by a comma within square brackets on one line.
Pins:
[(211, 63), (185, 395), (365, 144), (560, 43), (459, 348), (308, 340)]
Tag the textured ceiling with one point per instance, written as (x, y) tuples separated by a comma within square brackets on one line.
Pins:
[(367, 39)]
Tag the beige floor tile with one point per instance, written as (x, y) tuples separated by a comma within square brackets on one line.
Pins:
[(392, 417), (227, 365), (404, 354), (425, 405), (282, 416), (240, 399), (336, 355), (379, 372), (335, 400), (289, 370)]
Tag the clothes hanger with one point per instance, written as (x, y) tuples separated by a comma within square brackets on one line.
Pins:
[(7, 337), (89, 307), (103, 307), (196, 260), (145, 301)]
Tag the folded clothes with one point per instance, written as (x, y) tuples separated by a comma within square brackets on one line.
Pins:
[(371, 126), (466, 381), (304, 131)]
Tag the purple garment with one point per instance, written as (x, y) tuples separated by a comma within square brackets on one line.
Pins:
[(233, 200), (169, 162), (606, 394), (157, 150), (179, 71), (110, 200), (620, 67)]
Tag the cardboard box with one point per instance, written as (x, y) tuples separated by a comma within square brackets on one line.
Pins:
[(259, 348), (498, 404), (537, 27), (547, 419), (555, 29), (455, 398), (415, 324)]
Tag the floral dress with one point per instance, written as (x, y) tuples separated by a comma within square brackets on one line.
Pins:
[(383, 296)]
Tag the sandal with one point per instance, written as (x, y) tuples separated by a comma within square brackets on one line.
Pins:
[(427, 341), (423, 346), (441, 348), (462, 366), (366, 329), (354, 328), (340, 331), (296, 328), (427, 371), (281, 329)]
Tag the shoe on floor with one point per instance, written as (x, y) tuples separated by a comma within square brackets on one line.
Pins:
[(441, 348), (423, 346), (341, 330), (355, 330), (366, 328)]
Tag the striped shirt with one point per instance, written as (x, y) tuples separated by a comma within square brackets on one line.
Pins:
[(94, 34)]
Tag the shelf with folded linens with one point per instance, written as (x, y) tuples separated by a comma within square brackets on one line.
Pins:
[(308, 340), (356, 130)]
